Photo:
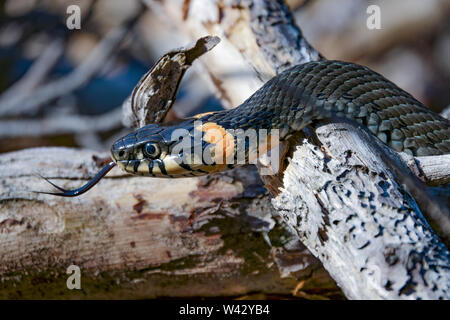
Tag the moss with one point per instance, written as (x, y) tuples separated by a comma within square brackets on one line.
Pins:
[(176, 264), (239, 236)]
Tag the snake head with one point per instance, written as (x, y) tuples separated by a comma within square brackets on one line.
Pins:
[(158, 151), (138, 151)]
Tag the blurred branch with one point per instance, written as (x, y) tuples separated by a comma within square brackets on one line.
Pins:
[(339, 28), (90, 140), (30, 103), (34, 76), (64, 124)]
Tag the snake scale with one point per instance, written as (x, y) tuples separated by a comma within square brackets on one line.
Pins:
[(289, 102)]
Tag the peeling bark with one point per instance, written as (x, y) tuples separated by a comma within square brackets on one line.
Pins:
[(347, 208), (156, 92)]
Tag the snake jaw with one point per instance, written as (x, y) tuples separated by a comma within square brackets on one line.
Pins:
[(81, 190)]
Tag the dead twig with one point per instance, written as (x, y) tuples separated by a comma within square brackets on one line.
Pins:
[(34, 76), (30, 103), (61, 124)]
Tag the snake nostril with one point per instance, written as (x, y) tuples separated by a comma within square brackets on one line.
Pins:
[(121, 153)]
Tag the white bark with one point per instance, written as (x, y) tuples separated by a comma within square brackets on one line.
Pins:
[(349, 211)]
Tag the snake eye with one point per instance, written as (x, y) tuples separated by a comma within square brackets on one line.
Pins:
[(151, 150)]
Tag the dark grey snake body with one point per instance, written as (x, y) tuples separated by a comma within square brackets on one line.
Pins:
[(326, 89)]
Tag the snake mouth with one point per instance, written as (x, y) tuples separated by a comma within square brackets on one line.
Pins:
[(168, 167), (137, 166)]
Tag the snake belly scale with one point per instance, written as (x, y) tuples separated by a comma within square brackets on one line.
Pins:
[(288, 102)]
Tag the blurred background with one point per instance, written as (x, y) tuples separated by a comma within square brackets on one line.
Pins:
[(61, 87)]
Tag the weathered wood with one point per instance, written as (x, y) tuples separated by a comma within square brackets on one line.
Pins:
[(156, 92), (347, 208), (138, 237)]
